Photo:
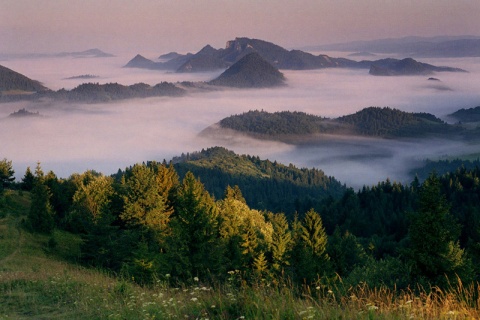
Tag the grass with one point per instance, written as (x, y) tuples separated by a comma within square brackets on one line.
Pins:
[(42, 281)]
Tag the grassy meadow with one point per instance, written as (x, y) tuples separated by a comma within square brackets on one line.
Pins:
[(40, 279)]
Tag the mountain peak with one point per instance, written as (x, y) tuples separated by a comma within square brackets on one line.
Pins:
[(251, 71)]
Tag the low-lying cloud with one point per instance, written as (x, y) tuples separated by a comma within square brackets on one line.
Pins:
[(74, 137)]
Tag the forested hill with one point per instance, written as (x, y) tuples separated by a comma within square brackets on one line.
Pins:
[(14, 81), (467, 115), (264, 184), (387, 122), (374, 122)]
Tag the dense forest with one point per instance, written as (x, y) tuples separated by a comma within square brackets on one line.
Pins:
[(148, 222), (373, 122), (96, 93)]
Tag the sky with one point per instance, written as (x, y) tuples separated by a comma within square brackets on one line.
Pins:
[(118, 26)]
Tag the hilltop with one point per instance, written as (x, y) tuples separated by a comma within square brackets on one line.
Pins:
[(264, 184), (405, 67), (369, 122), (252, 71), (467, 115)]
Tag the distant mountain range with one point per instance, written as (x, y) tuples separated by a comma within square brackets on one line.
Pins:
[(252, 71), (209, 58), (299, 127), (90, 53), (420, 47)]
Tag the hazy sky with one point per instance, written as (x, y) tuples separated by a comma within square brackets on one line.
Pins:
[(187, 25)]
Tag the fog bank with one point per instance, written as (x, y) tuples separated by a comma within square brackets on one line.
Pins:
[(74, 137)]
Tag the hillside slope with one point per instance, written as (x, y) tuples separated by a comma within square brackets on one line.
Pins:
[(252, 71), (13, 81)]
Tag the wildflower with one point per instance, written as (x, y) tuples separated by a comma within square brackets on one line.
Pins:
[(195, 279), (194, 299)]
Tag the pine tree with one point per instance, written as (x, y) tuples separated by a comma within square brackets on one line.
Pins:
[(194, 245), (28, 180), (309, 256), (40, 217), (434, 249), (144, 203), (281, 241), (6, 174)]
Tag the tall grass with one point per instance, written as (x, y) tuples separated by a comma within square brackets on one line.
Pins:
[(42, 281)]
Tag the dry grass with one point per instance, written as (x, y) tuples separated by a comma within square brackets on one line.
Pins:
[(37, 282)]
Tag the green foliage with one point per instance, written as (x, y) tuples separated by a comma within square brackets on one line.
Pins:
[(6, 174), (28, 180), (194, 247), (144, 202), (265, 185), (282, 242), (40, 217), (311, 260), (434, 249), (277, 123), (387, 122), (91, 200), (372, 121), (345, 252)]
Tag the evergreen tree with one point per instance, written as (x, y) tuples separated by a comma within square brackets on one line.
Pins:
[(434, 249), (310, 258), (40, 217), (194, 245), (91, 200), (345, 252), (28, 180), (6, 174), (144, 202), (281, 241)]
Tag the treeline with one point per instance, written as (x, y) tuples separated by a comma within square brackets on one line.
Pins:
[(148, 224), (373, 121), (266, 185), (95, 92), (277, 123), (388, 122)]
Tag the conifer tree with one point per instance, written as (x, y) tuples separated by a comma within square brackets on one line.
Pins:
[(144, 203), (281, 241), (194, 245), (6, 174), (434, 248), (28, 180), (40, 217), (310, 258)]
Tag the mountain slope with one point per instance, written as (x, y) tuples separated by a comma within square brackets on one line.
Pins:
[(264, 184), (252, 71), (13, 81)]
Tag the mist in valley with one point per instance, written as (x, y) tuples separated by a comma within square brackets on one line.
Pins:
[(74, 137)]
